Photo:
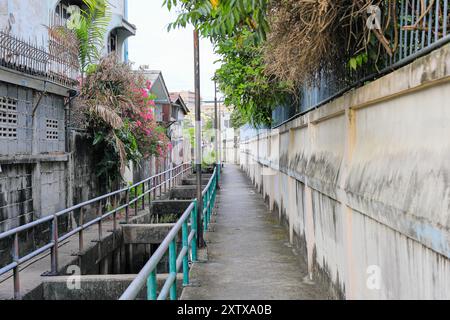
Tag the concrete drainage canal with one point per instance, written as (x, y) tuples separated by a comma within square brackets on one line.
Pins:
[(106, 268)]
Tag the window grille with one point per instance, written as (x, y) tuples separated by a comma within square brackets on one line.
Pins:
[(52, 129), (8, 118)]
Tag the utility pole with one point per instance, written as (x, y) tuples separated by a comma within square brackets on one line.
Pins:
[(216, 129), (198, 142), (220, 133)]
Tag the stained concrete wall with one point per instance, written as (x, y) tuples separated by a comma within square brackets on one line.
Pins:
[(98, 287), (41, 131), (33, 163), (363, 184)]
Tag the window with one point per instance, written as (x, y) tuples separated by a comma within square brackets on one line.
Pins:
[(112, 42), (65, 8), (8, 118), (52, 129), (61, 11), (175, 112)]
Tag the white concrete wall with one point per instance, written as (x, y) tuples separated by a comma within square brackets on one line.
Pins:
[(363, 184), (27, 19), (230, 150)]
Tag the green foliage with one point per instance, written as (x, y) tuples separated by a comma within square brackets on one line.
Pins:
[(209, 124), (244, 83), (127, 136), (119, 116), (237, 28), (209, 159), (90, 28), (110, 146), (219, 19), (358, 61), (301, 39), (191, 133), (135, 193), (236, 120), (168, 218)]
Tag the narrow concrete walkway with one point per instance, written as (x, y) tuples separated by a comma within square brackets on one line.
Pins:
[(249, 255)]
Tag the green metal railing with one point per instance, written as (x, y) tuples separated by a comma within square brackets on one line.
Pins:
[(148, 275)]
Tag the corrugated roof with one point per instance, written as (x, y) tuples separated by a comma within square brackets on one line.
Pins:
[(176, 97), (155, 76), (152, 75)]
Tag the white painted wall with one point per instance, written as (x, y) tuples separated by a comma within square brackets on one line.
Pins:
[(363, 183)]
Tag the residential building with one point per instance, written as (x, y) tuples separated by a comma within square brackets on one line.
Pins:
[(189, 98), (30, 21), (159, 89), (45, 165), (177, 115), (170, 113)]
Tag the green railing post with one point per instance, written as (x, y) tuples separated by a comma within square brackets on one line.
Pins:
[(213, 198), (218, 174), (173, 268), (152, 286), (185, 236), (195, 228), (208, 207), (210, 203), (205, 226)]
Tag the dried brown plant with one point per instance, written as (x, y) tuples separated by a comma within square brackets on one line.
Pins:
[(307, 36)]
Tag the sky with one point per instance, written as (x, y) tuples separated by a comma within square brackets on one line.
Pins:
[(171, 52)]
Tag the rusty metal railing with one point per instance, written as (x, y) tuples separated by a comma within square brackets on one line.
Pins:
[(57, 63), (163, 180)]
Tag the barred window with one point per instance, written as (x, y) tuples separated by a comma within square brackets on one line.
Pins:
[(52, 129), (8, 118)]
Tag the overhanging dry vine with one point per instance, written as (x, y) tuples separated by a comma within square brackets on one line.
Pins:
[(309, 36)]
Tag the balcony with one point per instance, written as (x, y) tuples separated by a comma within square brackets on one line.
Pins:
[(57, 63)]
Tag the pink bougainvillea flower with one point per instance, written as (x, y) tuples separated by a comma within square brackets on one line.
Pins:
[(144, 93), (147, 116)]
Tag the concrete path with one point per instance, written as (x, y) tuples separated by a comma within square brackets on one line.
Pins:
[(249, 255)]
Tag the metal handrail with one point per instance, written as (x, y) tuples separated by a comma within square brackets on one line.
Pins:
[(147, 276), (57, 63), (166, 178)]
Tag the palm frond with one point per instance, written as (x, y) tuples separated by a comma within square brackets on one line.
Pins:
[(108, 115), (122, 154), (91, 32)]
